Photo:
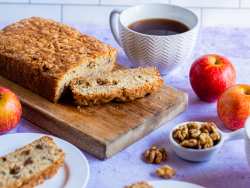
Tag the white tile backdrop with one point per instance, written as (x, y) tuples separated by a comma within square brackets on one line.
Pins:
[(211, 12)]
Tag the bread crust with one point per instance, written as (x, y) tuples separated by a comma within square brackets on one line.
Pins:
[(121, 95), (42, 55), (40, 178), (26, 76)]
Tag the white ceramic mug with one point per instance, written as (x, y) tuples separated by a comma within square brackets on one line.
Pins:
[(164, 52)]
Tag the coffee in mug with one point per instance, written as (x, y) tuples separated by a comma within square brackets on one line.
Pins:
[(159, 26)]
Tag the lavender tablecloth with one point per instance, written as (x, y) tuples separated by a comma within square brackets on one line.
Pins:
[(228, 169)]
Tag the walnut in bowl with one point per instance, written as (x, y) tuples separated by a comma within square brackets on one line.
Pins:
[(196, 141), (197, 135)]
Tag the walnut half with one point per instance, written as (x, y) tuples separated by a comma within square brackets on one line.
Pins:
[(155, 155), (166, 172), (139, 185)]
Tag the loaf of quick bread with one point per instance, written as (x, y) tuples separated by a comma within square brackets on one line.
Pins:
[(121, 85), (31, 165), (44, 55)]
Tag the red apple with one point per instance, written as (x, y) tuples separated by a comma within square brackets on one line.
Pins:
[(233, 106), (10, 110), (211, 75)]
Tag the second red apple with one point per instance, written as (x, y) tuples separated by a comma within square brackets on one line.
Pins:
[(211, 75)]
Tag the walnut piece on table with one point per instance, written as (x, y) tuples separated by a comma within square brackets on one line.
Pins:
[(155, 155), (166, 172), (139, 185)]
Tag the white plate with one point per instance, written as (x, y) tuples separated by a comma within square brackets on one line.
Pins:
[(173, 184), (74, 173)]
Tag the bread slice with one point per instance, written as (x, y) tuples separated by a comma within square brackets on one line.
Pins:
[(43, 55), (30, 165), (120, 85)]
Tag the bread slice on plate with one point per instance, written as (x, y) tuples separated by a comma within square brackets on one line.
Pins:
[(120, 85), (30, 165), (44, 55)]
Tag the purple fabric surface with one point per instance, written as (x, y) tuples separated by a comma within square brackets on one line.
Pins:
[(228, 169)]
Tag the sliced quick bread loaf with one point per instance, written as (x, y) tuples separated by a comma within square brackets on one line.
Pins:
[(120, 85), (31, 164), (44, 55)]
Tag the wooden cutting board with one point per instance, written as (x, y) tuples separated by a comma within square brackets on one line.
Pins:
[(101, 130)]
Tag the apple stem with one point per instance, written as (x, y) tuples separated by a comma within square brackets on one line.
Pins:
[(247, 92), (217, 62)]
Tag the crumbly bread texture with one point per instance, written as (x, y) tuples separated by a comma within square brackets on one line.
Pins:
[(44, 55), (120, 85), (31, 165), (140, 185)]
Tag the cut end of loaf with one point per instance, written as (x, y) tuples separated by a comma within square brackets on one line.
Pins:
[(121, 85), (96, 66)]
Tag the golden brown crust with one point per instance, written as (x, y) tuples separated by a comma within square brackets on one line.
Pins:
[(39, 179), (23, 74), (37, 53), (120, 94)]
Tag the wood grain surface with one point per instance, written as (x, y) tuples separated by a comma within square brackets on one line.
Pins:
[(101, 130)]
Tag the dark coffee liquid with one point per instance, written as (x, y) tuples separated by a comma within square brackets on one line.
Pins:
[(158, 27)]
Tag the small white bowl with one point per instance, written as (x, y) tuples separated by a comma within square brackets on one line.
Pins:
[(200, 155), (194, 155)]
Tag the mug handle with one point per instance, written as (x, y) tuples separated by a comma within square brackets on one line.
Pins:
[(113, 23), (239, 134)]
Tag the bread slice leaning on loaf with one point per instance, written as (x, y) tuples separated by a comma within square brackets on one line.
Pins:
[(120, 85), (31, 165), (44, 55)]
